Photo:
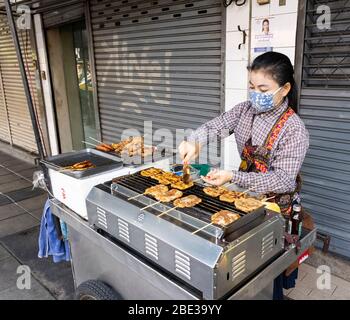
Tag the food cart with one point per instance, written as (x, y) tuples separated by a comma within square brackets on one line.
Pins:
[(126, 245)]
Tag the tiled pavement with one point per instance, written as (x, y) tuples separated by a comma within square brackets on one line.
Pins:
[(20, 214), (310, 283), (19, 226)]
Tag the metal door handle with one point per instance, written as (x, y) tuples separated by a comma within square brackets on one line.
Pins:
[(244, 37)]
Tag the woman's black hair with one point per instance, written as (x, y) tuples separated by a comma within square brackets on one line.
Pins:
[(280, 68)]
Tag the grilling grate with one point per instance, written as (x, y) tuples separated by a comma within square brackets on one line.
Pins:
[(137, 184)]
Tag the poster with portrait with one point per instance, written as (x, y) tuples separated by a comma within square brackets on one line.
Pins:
[(263, 35)]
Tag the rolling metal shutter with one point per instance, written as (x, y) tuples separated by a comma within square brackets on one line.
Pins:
[(15, 124), (325, 108), (53, 17), (157, 61)]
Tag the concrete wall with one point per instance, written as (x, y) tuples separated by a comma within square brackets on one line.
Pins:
[(236, 86)]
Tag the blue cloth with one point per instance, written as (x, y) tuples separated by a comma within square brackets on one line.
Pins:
[(49, 242)]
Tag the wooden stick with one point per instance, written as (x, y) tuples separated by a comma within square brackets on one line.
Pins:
[(166, 212), (91, 144), (151, 205), (134, 197), (96, 140), (265, 199), (242, 193), (203, 228), (230, 185)]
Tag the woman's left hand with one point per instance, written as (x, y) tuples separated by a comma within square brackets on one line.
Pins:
[(218, 177)]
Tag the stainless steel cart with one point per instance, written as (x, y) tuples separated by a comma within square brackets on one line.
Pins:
[(98, 256)]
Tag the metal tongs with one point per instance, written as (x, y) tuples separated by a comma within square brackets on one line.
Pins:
[(186, 173)]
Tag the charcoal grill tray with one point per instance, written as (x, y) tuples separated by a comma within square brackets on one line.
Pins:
[(203, 211), (102, 161)]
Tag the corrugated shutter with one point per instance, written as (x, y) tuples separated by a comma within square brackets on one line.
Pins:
[(17, 110), (157, 61), (325, 108), (4, 124), (68, 14)]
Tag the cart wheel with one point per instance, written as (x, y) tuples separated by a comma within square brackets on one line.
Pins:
[(95, 290)]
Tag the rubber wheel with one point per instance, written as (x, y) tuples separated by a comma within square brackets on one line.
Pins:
[(95, 290)]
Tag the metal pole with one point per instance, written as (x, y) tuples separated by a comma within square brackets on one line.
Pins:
[(24, 78)]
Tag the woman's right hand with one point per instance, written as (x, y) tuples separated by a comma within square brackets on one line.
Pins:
[(189, 151)]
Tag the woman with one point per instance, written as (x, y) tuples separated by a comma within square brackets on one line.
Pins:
[(270, 136), (266, 27)]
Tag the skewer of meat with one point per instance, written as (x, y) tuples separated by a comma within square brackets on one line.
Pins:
[(224, 218), (165, 197), (169, 196), (185, 202), (152, 191), (104, 147)]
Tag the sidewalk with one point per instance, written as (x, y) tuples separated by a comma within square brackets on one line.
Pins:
[(20, 214), (306, 288)]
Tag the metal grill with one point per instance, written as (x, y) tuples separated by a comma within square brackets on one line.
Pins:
[(203, 211)]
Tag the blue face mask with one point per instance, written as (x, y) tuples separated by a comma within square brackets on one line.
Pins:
[(262, 102)]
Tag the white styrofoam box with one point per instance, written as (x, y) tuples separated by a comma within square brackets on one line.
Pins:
[(291, 6), (237, 15), (234, 97), (233, 39), (73, 192), (260, 10), (236, 75)]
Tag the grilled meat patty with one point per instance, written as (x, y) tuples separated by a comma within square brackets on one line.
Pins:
[(224, 218), (215, 191), (155, 190), (182, 186), (231, 196), (248, 204), (187, 202), (169, 196)]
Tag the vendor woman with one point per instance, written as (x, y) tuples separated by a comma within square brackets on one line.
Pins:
[(270, 136)]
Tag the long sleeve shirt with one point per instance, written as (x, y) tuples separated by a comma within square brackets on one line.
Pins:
[(287, 154)]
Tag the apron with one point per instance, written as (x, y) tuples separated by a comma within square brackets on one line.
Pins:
[(257, 159)]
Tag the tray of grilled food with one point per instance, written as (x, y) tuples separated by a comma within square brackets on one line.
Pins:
[(82, 163), (219, 206), (134, 151)]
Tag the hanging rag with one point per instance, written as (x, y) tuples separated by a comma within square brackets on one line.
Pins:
[(50, 243)]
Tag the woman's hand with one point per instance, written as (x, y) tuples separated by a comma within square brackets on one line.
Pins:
[(189, 151), (218, 177)]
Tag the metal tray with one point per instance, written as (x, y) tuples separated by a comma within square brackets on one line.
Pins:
[(158, 155), (101, 160)]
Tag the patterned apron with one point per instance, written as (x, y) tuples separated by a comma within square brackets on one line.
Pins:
[(257, 158)]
